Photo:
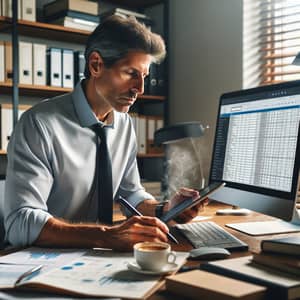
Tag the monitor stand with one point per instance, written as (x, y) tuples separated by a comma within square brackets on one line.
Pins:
[(269, 227)]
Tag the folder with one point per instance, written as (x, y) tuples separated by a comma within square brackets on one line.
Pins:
[(7, 8), (150, 134), (39, 64), (25, 63), (142, 134), (28, 10), (153, 85), (6, 121), (68, 68), (79, 65), (8, 61), (54, 66), (2, 62)]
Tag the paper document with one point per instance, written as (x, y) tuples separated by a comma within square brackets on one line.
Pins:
[(101, 273), (47, 257), (9, 274)]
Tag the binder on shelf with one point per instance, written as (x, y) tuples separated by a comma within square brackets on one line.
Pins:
[(57, 6), (8, 61), (54, 66), (2, 62), (153, 85), (142, 133), (7, 8), (150, 134), (39, 64), (6, 121), (25, 63), (153, 123), (161, 84), (67, 68), (28, 10), (79, 65)]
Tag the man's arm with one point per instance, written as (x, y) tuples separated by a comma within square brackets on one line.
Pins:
[(57, 233)]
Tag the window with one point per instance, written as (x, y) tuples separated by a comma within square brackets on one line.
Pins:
[(271, 40)]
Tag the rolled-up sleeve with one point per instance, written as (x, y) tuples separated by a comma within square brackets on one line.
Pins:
[(28, 181), (131, 187)]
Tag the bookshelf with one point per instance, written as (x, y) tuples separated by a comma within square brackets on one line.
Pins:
[(51, 32)]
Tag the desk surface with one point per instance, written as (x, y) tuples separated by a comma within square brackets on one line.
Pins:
[(210, 210), (252, 241)]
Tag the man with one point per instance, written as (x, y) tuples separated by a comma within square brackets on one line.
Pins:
[(51, 188)]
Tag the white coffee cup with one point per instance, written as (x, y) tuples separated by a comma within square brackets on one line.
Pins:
[(153, 256)]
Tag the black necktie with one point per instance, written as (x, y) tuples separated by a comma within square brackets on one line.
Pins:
[(104, 174)]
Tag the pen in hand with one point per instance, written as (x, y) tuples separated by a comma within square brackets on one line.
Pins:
[(134, 211)]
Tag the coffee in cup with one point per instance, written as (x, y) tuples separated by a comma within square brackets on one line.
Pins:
[(153, 256)]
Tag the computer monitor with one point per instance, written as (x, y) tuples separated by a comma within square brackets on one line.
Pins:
[(256, 153)]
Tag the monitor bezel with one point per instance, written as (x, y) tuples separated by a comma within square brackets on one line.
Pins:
[(257, 93)]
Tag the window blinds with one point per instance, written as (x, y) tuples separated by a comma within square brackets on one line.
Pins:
[(274, 26)]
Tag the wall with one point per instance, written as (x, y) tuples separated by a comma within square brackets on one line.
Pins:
[(205, 60)]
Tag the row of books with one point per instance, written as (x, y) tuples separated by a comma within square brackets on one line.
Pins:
[(145, 126), (26, 9), (41, 66)]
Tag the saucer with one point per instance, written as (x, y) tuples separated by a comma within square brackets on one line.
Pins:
[(133, 266)]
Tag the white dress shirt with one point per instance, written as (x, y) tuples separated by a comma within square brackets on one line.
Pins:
[(52, 162)]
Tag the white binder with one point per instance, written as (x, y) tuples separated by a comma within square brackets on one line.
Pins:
[(28, 10), (39, 64), (68, 68), (142, 137), (25, 63), (2, 62), (7, 8), (8, 62), (54, 66), (6, 117)]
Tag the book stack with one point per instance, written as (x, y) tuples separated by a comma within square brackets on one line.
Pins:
[(125, 13), (277, 267), (280, 254), (79, 14)]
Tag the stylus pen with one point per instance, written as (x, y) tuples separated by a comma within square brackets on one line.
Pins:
[(133, 210)]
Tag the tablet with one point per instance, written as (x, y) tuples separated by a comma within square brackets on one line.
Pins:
[(188, 203)]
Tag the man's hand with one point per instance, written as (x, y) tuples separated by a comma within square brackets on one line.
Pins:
[(191, 213), (136, 229)]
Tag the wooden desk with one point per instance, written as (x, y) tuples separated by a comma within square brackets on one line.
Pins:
[(252, 241)]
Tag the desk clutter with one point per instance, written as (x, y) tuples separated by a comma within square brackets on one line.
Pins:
[(96, 273), (273, 273)]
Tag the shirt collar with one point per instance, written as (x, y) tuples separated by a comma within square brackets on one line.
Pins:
[(85, 114)]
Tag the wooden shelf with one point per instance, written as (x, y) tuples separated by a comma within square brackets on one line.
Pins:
[(152, 155), (46, 30), (51, 91), (34, 90), (134, 3)]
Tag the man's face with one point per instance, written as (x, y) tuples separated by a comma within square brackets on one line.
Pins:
[(119, 85)]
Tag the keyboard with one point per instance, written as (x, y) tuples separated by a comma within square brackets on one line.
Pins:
[(210, 234)]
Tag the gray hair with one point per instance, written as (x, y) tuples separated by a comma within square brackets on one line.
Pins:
[(116, 36)]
